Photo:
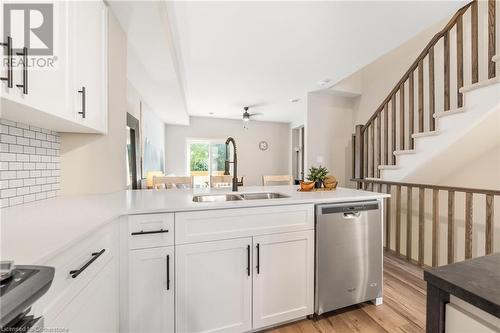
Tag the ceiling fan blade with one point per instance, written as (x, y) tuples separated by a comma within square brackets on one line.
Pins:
[(256, 114)]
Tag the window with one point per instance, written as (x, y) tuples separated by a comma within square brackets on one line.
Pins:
[(205, 158)]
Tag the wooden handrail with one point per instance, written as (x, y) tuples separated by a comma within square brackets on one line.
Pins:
[(421, 56), (429, 186)]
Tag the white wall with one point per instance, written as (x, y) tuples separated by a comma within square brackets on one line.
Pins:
[(94, 163), (328, 134), (252, 162)]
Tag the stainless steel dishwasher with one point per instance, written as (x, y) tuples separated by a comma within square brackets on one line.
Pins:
[(348, 254)]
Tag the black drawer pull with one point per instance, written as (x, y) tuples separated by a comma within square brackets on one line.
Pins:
[(168, 272), (24, 86), (258, 258), (248, 260), (142, 232), (95, 255), (8, 78), (84, 101)]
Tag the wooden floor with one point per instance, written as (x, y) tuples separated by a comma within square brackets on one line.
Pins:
[(403, 309)]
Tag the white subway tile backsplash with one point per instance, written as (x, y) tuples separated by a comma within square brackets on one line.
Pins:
[(29, 198), (6, 138), (23, 158), (23, 141), (16, 149), (23, 174), (8, 193), (4, 175), (35, 173), (15, 201), (29, 163), (15, 131), (22, 191), (29, 182), (14, 183)]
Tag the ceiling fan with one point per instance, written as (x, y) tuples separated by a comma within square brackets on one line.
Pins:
[(247, 116)]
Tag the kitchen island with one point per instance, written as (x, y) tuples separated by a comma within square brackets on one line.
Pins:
[(238, 265)]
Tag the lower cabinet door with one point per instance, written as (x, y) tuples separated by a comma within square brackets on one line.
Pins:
[(283, 281), (151, 290), (214, 286), (95, 308)]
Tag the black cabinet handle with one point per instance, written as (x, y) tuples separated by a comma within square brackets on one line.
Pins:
[(8, 78), (95, 255), (258, 258), (24, 86), (84, 97), (149, 232), (248, 260), (168, 272)]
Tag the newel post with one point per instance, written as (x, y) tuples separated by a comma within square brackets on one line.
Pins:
[(358, 152)]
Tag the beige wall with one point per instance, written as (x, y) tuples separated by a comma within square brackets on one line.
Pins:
[(252, 162), (328, 134), (96, 163)]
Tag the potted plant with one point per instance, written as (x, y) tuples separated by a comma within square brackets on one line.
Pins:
[(317, 175)]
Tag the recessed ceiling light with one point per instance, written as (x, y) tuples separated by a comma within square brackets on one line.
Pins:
[(324, 82), (295, 100)]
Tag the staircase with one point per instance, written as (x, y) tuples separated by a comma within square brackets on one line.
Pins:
[(446, 103), (450, 94)]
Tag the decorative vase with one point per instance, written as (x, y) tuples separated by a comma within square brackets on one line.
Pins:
[(318, 184)]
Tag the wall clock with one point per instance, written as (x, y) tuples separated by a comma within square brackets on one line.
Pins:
[(263, 145)]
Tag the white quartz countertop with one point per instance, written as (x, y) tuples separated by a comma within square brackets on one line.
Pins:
[(33, 233)]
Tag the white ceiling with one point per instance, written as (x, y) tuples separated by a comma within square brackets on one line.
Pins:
[(233, 54), (207, 57), (151, 60)]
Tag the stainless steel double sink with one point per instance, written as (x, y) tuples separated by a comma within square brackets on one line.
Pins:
[(237, 197)]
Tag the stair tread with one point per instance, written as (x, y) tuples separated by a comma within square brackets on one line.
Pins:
[(449, 112), (405, 152), (480, 84), (424, 134), (388, 167)]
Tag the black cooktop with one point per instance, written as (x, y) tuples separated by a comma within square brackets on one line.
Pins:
[(26, 285)]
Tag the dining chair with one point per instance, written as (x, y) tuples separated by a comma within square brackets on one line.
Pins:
[(171, 182), (277, 180), (221, 181)]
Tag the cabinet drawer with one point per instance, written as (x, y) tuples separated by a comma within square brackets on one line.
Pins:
[(150, 230), (88, 257), (200, 226)]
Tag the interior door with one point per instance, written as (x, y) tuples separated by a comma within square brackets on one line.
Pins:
[(283, 283), (151, 290), (214, 286)]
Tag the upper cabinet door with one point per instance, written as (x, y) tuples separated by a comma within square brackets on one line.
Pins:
[(88, 63), (44, 73), (214, 286), (283, 282), (151, 290)]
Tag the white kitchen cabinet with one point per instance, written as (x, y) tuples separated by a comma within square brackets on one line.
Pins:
[(151, 290), (79, 60), (95, 307), (47, 75), (283, 279), (214, 286), (88, 59)]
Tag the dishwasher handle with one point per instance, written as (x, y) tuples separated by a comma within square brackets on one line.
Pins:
[(348, 209), (352, 215)]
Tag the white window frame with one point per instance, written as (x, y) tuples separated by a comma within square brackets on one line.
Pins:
[(210, 142)]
